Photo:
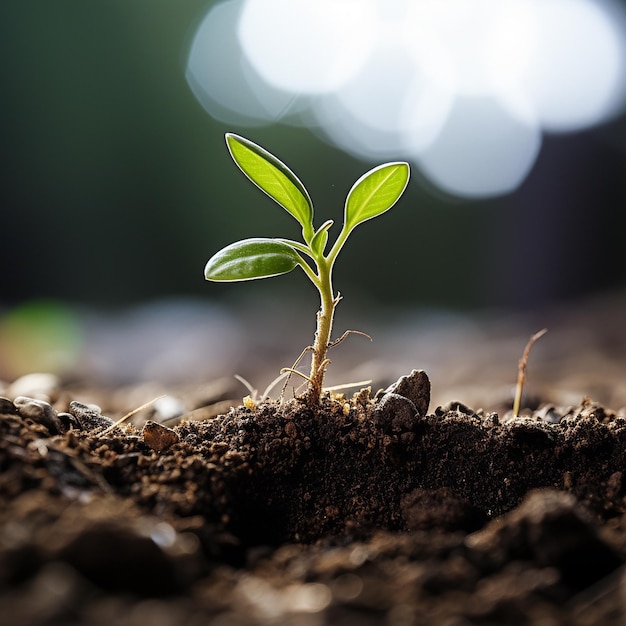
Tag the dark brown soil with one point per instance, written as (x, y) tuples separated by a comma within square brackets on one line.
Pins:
[(366, 511)]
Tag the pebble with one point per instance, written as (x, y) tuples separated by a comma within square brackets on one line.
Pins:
[(38, 386), (7, 407), (69, 421), (89, 416), (41, 412), (415, 387), (395, 412), (157, 436)]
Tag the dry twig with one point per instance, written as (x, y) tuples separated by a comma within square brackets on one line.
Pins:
[(521, 371)]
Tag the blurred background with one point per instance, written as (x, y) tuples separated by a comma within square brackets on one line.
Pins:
[(117, 186)]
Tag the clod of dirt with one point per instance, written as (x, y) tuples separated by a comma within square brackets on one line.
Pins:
[(549, 529)]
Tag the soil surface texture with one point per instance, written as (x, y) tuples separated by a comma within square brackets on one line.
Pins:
[(371, 509)]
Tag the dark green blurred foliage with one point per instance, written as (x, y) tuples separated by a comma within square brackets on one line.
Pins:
[(117, 186)]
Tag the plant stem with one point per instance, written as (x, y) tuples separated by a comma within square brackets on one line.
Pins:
[(322, 333), (324, 282)]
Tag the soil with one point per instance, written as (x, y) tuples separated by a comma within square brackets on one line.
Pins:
[(371, 509)]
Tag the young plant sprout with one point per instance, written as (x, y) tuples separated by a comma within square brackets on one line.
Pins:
[(373, 194)]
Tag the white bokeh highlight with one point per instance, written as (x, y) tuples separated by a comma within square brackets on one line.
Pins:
[(484, 145), (575, 72), (304, 46), (462, 89)]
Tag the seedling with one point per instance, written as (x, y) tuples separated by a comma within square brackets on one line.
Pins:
[(373, 194)]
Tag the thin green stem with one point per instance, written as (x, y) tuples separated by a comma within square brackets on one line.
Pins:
[(322, 334), (341, 240), (313, 277), (328, 302), (300, 247)]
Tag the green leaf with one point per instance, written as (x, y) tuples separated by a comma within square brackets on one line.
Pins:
[(319, 240), (375, 192), (251, 259), (274, 178)]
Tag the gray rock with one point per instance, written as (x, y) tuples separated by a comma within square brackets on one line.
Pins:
[(415, 387), (395, 412), (89, 416), (7, 407), (69, 421), (39, 411)]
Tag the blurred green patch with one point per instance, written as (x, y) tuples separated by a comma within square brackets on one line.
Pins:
[(39, 336)]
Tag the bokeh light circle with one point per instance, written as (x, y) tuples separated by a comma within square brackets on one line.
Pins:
[(575, 73), (485, 149), (307, 47)]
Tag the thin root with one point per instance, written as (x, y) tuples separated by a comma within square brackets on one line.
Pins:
[(292, 370), (274, 383), (247, 385), (254, 393), (336, 342)]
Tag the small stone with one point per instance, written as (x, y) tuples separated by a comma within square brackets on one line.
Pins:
[(89, 416), (41, 412), (157, 436), (39, 386), (415, 387), (395, 412), (7, 407), (69, 421)]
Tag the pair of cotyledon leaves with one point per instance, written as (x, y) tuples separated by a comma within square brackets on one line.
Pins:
[(373, 194)]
